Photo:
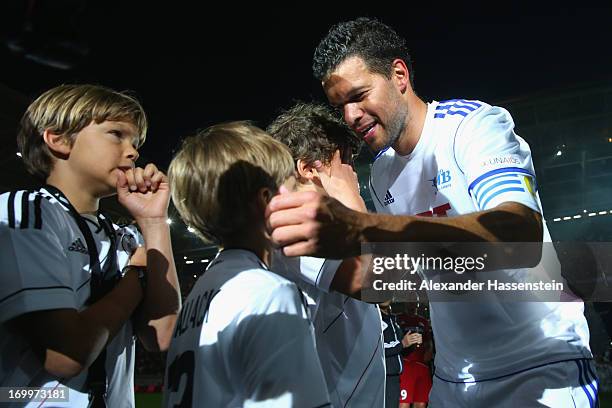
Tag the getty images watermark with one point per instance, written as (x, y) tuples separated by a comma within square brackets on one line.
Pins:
[(482, 272)]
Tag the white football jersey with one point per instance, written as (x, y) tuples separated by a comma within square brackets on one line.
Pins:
[(469, 159), (347, 331), (45, 265), (243, 339)]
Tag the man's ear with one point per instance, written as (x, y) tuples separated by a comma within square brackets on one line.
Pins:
[(400, 74), (306, 171), (59, 145)]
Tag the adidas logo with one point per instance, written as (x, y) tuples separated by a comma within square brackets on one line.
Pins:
[(77, 246), (388, 198)]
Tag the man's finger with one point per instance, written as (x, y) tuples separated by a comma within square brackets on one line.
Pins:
[(290, 200), (301, 248), (289, 234), (292, 216)]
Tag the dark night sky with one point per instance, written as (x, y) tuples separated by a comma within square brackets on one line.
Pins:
[(192, 67)]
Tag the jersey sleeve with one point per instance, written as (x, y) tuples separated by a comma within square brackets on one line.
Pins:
[(276, 348), (35, 273), (317, 272), (497, 163)]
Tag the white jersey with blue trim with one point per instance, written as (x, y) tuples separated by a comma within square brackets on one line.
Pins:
[(45, 265), (243, 339), (469, 159), (348, 332)]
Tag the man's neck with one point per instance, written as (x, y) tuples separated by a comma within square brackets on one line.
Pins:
[(81, 199), (417, 112)]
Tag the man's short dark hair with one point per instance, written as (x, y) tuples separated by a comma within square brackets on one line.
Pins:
[(374, 42), (312, 132)]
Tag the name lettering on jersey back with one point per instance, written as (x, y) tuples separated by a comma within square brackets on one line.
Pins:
[(194, 312), (439, 211)]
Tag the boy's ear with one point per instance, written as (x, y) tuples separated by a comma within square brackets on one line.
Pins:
[(305, 170), (264, 196), (58, 144)]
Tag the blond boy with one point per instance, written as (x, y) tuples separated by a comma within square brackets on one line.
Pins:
[(69, 303), (244, 337)]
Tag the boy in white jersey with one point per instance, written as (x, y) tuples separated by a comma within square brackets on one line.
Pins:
[(448, 172), (68, 303), (347, 330), (244, 337)]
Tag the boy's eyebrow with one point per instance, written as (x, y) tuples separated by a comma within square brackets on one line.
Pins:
[(127, 128)]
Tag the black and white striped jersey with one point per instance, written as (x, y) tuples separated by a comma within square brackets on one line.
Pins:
[(44, 264)]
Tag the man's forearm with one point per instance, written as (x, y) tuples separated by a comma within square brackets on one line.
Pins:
[(509, 222)]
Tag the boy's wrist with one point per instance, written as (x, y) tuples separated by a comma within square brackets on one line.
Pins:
[(152, 222)]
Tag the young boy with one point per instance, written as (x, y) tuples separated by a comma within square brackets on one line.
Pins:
[(347, 330), (244, 337), (68, 300)]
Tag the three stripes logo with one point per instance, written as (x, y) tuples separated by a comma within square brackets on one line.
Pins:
[(456, 107), (78, 246), (23, 210), (388, 198)]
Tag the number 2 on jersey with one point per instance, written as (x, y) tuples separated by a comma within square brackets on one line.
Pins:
[(183, 365)]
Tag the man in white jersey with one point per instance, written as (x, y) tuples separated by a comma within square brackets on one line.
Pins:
[(448, 172), (244, 337), (347, 330), (68, 304)]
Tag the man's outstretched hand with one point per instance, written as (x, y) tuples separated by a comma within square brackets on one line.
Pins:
[(309, 223)]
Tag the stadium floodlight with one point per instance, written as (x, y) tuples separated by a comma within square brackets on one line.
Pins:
[(189, 261), (592, 214), (169, 221), (567, 218), (559, 153), (557, 219), (192, 230)]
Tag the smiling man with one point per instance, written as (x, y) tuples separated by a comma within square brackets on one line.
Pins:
[(450, 171)]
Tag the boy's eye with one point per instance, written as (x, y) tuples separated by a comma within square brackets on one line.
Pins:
[(116, 133)]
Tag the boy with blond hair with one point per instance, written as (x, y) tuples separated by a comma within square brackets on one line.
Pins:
[(74, 288), (244, 337)]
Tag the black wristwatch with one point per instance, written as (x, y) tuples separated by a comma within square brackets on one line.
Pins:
[(142, 275)]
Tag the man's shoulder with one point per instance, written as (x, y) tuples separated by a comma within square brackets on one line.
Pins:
[(457, 108), (382, 161)]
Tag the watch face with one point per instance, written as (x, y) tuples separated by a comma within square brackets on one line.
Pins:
[(127, 239)]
